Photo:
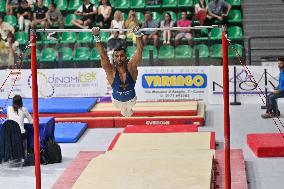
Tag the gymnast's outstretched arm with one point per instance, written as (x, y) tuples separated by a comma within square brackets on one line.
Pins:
[(106, 65)]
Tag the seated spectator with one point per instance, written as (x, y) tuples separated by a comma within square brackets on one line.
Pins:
[(31, 3), (218, 10), (39, 15), (200, 11), (13, 49), (104, 14), (87, 15), (130, 23), (167, 23), (118, 22), (5, 28), (24, 16), (114, 43), (12, 5), (54, 17), (186, 33), (150, 23)]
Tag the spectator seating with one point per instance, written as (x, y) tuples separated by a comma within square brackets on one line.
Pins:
[(2, 6), (82, 54), (21, 37), (169, 4), (95, 55), (146, 52), (203, 50), (66, 54), (137, 4), (166, 52), (61, 4), (183, 52), (122, 4), (48, 55), (11, 20), (74, 5), (185, 3)]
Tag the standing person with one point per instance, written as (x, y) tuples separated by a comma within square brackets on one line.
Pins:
[(87, 15), (122, 74), (185, 33), (39, 15), (200, 10), (118, 22), (5, 28), (272, 106), (131, 22), (219, 10), (150, 23), (167, 23), (24, 16), (17, 112), (13, 50), (104, 14)]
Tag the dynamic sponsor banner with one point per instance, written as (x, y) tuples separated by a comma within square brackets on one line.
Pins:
[(171, 83), (55, 83), (250, 84)]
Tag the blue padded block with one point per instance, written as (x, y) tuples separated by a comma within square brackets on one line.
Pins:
[(69, 132), (57, 105)]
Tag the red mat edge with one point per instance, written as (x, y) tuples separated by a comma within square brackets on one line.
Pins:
[(113, 142), (75, 168), (160, 128), (212, 140)]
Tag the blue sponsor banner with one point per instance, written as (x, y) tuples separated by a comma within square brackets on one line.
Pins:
[(189, 80)]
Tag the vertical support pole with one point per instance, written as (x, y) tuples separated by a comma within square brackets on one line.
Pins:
[(35, 109), (226, 109), (266, 92), (235, 88)]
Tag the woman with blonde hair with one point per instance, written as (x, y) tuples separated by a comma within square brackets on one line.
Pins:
[(118, 23), (130, 23)]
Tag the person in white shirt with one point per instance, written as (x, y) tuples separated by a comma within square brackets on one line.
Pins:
[(118, 22), (17, 112)]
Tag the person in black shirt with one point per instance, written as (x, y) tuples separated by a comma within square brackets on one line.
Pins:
[(24, 16), (114, 43), (39, 15), (87, 15)]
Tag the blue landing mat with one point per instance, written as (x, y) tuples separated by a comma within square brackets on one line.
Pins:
[(69, 132), (57, 105)]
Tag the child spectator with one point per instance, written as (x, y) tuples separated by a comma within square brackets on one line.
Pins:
[(167, 23)]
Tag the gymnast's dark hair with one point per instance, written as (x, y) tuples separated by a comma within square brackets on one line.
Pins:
[(120, 49), (17, 103), (281, 58)]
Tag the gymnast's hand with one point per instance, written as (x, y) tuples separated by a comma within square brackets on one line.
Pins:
[(136, 30), (96, 31)]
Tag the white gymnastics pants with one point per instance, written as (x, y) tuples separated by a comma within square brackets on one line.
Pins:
[(125, 107)]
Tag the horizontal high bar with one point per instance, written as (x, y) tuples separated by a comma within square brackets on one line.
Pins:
[(126, 30)]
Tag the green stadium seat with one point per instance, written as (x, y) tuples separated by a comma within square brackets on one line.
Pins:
[(95, 54), (66, 54), (235, 33), (48, 55), (148, 6), (104, 36), (61, 4), (173, 15), (157, 17), (185, 3), (74, 5), (2, 6), (111, 2), (201, 35), (125, 16), (122, 4), (203, 50), (146, 52), (27, 55), (234, 3), (96, 2), (130, 51), (46, 3), (232, 53), (169, 4), (216, 33), (82, 54), (166, 52), (85, 37), (235, 16), (140, 17), (11, 20), (68, 37), (45, 40), (183, 52), (22, 37), (68, 20), (137, 4), (216, 51)]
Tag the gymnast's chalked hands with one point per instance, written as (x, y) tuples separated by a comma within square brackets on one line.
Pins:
[(96, 31), (136, 30)]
